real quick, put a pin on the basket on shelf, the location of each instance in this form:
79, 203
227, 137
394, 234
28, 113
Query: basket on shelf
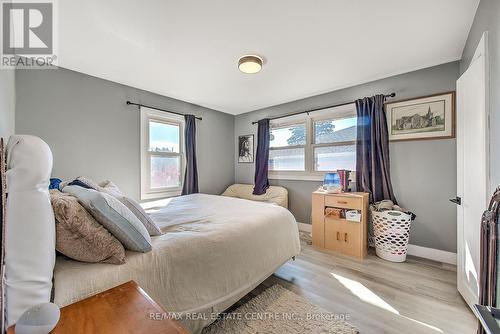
391, 230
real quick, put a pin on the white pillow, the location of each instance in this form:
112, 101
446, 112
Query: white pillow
30, 226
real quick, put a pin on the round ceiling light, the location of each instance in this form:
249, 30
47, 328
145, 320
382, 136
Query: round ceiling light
250, 64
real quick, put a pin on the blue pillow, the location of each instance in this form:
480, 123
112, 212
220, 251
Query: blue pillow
54, 183
114, 216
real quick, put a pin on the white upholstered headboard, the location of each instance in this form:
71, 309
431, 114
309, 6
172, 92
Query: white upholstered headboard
30, 226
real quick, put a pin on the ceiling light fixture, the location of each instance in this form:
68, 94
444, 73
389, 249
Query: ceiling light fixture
250, 64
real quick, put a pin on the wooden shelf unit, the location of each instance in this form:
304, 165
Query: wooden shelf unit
339, 234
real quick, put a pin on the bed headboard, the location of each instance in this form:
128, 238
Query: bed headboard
29, 226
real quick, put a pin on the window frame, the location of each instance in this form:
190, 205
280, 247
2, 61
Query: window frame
148, 115
316, 145
283, 125
310, 173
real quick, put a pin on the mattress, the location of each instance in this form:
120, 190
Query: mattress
214, 250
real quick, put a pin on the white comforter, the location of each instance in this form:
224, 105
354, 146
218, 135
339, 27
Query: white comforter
215, 250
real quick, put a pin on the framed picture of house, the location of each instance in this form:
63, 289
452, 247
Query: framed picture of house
427, 117
245, 148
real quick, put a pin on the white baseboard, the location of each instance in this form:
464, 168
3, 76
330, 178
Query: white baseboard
433, 254
426, 253
305, 227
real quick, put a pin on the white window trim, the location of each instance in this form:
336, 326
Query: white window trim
148, 114
309, 174
285, 125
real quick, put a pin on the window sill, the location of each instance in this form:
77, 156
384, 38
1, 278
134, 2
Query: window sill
296, 176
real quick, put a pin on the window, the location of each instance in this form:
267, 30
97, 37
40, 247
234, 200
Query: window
305, 147
287, 148
335, 144
162, 156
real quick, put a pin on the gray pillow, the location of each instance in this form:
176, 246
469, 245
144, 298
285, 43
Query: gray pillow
139, 212
79, 236
88, 183
110, 188
114, 216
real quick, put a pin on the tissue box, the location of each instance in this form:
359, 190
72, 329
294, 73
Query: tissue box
353, 215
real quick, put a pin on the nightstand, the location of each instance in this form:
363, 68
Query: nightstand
340, 234
122, 309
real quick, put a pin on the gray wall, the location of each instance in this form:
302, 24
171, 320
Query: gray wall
488, 19
92, 132
423, 172
7, 103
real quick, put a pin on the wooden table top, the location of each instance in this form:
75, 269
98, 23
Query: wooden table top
122, 309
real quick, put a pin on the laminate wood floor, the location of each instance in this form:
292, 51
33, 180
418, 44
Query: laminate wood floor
418, 296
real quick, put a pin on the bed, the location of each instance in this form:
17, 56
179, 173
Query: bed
214, 250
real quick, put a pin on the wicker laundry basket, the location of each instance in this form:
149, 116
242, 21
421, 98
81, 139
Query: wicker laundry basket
391, 231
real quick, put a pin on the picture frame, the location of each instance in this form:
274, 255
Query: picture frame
246, 149
426, 117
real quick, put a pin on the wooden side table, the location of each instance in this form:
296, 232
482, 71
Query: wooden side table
122, 309
339, 234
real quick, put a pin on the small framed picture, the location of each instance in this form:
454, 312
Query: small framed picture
427, 117
245, 148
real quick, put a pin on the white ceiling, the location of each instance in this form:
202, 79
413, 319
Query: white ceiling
189, 49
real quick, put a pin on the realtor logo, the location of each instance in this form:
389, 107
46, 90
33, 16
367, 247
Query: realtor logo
28, 30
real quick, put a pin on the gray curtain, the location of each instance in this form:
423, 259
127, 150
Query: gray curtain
190, 185
372, 149
262, 158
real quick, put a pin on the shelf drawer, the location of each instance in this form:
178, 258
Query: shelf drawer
345, 202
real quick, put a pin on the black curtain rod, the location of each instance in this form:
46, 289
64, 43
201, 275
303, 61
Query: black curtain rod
317, 109
165, 110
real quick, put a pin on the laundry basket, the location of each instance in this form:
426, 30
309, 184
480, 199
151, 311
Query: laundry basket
392, 232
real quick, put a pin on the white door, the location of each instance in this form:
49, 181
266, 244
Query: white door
472, 170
